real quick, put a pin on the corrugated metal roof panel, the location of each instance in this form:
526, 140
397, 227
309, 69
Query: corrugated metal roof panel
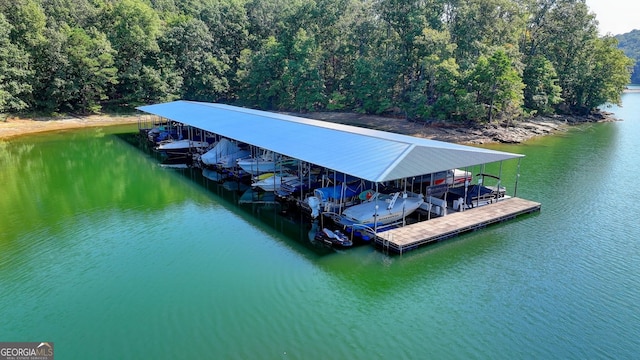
364, 153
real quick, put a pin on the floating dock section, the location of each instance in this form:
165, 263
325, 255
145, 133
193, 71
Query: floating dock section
412, 236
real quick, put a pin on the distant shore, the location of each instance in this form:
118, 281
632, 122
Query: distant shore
511, 132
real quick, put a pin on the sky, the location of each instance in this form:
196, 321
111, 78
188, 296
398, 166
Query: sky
616, 16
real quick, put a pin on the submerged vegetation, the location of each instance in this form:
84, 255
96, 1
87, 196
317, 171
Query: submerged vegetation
475, 60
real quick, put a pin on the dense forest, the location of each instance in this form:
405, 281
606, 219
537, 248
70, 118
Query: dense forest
456, 60
630, 44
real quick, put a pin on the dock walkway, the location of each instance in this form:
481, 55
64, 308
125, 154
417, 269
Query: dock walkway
421, 233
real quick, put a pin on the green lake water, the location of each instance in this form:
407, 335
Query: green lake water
110, 256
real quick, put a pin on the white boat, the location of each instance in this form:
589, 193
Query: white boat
272, 182
223, 153
231, 160
381, 209
268, 161
181, 146
265, 162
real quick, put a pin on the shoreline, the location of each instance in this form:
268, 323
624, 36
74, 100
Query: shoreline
14, 127
504, 132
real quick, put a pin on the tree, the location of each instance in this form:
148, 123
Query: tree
405, 21
228, 25
497, 85
541, 92
301, 78
28, 22
90, 69
478, 25
76, 70
607, 73
436, 76
133, 28
189, 46
359, 38
371, 90
260, 74
14, 72
564, 34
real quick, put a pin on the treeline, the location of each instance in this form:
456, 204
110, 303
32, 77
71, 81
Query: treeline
466, 60
630, 44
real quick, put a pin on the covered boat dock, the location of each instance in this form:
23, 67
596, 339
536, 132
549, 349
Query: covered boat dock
367, 154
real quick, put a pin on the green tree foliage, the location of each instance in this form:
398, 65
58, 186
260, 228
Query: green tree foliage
189, 46
89, 70
497, 85
606, 75
133, 28
541, 91
630, 44
14, 71
371, 93
75, 71
303, 85
260, 74
478, 25
454, 60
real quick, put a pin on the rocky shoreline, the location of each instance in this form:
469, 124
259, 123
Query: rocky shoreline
505, 132
511, 132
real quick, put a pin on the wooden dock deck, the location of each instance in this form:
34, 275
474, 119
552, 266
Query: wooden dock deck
411, 236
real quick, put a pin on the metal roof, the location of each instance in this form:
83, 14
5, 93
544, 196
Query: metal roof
364, 153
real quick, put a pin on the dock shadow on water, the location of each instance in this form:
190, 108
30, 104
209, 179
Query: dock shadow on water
258, 208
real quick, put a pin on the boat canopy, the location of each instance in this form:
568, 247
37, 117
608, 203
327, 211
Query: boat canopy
368, 154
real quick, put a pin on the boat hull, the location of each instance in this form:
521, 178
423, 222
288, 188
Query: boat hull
181, 146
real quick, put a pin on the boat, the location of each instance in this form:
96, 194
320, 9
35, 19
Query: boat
181, 146
381, 209
334, 198
161, 133
333, 237
231, 160
474, 196
298, 186
272, 182
262, 163
224, 154
449, 177
267, 161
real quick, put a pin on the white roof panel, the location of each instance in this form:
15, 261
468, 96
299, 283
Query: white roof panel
364, 153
